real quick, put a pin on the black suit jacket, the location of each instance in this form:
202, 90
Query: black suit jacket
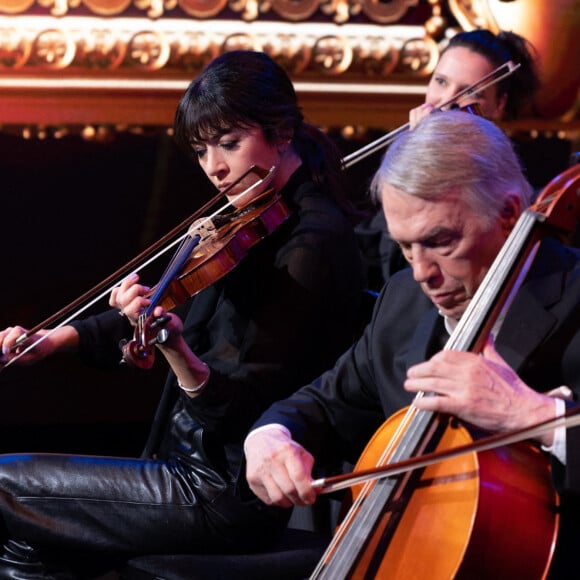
539, 338
335, 416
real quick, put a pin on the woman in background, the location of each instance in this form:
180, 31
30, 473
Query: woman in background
467, 58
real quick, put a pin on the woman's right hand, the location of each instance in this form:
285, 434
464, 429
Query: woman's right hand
419, 113
46, 342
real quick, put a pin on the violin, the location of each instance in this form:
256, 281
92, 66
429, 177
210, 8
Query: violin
487, 514
490, 79
202, 273
207, 254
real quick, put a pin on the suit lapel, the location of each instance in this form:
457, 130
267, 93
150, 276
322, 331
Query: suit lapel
526, 324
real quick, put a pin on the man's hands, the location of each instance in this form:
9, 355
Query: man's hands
480, 389
278, 469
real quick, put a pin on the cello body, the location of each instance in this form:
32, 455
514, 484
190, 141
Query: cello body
488, 515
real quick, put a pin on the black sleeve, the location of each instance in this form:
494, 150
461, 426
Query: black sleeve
285, 314
99, 338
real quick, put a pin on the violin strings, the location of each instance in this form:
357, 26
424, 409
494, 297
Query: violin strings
95, 299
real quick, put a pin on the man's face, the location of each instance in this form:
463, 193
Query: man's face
448, 246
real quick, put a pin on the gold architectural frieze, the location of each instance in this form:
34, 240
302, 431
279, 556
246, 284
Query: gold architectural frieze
473, 14
353, 62
180, 48
292, 10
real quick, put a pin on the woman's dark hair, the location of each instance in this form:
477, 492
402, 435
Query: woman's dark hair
241, 89
520, 86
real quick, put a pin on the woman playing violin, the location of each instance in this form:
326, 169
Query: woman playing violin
271, 324
468, 57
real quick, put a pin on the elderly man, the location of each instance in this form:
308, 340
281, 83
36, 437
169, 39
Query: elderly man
452, 191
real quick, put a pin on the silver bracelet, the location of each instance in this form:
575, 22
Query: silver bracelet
195, 389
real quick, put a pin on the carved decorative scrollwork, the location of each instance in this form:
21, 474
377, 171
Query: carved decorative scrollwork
473, 14
106, 7
53, 49
15, 48
378, 11
174, 48
377, 57
148, 50
202, 8
295, 9
332, 55
101, 50
386, 12
110, 48
15, 6
193, 51
419, 54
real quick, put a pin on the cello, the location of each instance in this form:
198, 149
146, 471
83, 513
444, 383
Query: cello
487, 515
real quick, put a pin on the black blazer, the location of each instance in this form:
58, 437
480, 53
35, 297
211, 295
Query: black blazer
539, 338
335, 416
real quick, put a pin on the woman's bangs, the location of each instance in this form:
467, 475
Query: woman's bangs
211, 121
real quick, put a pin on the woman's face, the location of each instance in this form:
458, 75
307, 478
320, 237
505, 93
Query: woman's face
226, 158
459, 68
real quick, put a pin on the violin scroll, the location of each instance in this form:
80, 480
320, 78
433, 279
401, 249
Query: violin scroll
559, 202
139, 352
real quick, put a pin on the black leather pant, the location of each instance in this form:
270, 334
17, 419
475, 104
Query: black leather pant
68, 516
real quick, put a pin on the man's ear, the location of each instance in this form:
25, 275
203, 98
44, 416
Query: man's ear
510, 212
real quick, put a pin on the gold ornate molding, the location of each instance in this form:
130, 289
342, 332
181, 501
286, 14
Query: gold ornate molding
292, 10
133, 70
168, 48
125, 63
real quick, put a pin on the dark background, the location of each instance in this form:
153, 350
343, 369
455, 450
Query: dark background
74, 212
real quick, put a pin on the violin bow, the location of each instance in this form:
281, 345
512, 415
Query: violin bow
135, 265
490, 79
